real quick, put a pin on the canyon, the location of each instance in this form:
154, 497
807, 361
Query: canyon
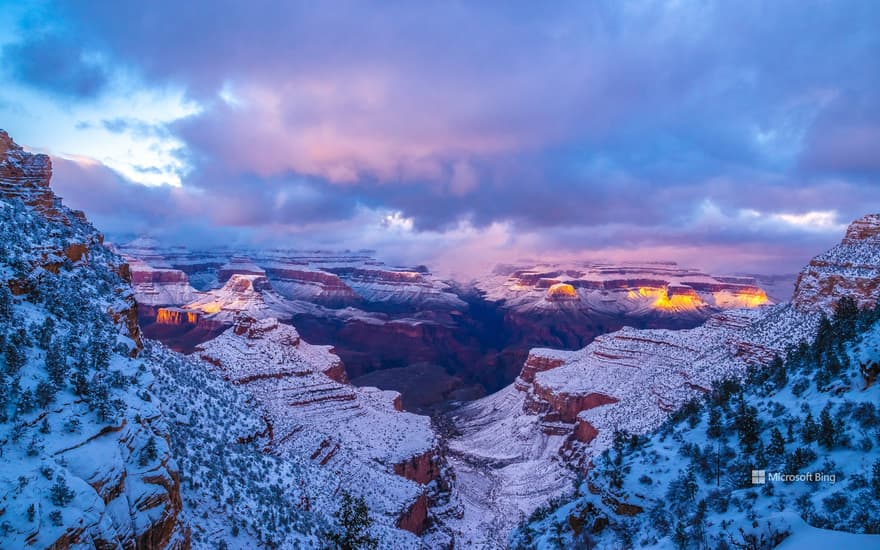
532, 369
474, 336
565, 406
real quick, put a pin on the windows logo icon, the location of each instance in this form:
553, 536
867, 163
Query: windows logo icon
759, 477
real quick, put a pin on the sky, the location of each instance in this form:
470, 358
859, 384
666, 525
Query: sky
730, 136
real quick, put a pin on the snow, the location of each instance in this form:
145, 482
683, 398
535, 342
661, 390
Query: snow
354, 432
807, 537
650, 373
650, 469
40, 445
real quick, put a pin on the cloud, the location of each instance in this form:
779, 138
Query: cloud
55, 64
845, 138
579, 127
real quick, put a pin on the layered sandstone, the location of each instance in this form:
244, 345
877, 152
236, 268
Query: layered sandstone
312, 412
849, 269
629, 290
565, 406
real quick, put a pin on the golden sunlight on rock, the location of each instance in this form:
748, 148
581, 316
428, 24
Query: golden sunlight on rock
749, 298
176, 316
561, 292
663, 299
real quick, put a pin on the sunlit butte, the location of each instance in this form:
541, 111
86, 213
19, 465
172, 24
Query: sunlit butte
747, 298
663, 300
562, 291
688, 300
177, 316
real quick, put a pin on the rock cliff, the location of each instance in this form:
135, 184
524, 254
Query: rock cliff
84, 455
848, 269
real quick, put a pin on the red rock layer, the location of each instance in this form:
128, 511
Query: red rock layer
422, 468
415, 518
177, 316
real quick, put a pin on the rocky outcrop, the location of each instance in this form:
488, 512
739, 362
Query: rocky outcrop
584, 431
320, 287
79, 471
863, 231
177, 316
540, 360
567, 305
423, 468
26, 176
359, 433
415, 516
849, 269
239, 265
567, 406
560, 292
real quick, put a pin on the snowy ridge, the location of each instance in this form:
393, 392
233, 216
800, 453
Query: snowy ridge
357, 433
156, 286
249, 294
851, 268
565, 407
232, 490
84, 459
789, 456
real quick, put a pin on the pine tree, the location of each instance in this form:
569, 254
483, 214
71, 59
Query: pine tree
826, 433
680, 537
824, 337
354, 521
45, 393
4, 397
6, 302
778, 374
698, 521
760, 456
846, 314
26, 402
558, 534
46, 333
714, 430
56, 365
776, 448
80, 383
60, 494
809, 430
15, 358
834, 366
150, 452
875, 479
746, 423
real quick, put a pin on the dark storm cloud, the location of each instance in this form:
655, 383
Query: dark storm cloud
55, 64
594, 122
